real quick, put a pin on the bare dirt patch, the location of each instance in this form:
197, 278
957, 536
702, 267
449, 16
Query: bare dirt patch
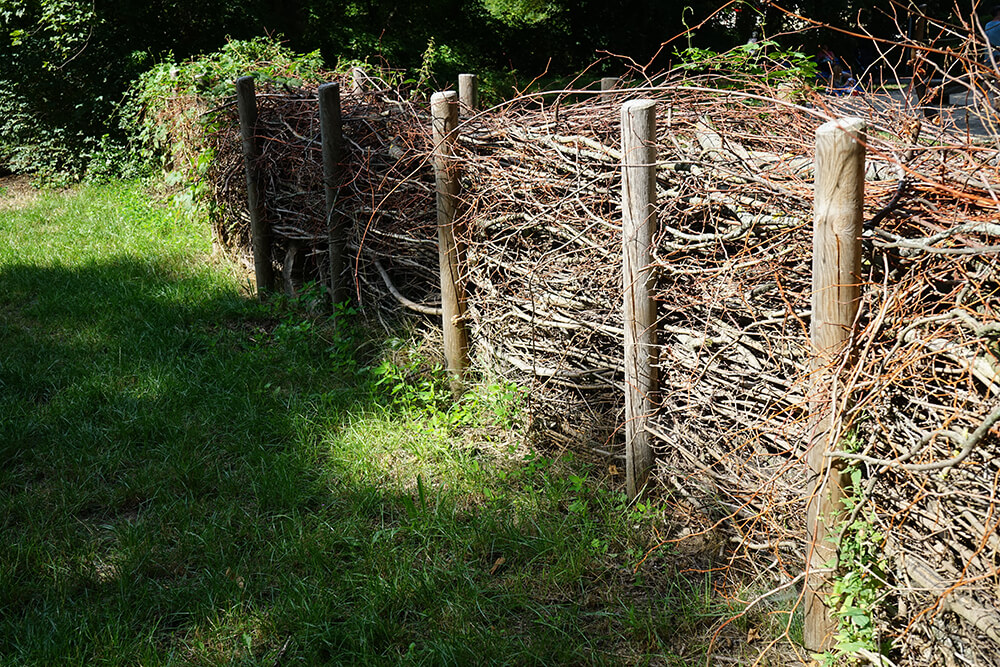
16, 192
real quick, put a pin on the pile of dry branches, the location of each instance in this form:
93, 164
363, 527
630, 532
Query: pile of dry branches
733, 260
541, 229
387, 190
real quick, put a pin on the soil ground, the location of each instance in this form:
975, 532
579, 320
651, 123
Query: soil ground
16, 192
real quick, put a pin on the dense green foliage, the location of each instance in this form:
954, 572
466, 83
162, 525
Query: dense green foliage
65, 64
162, 112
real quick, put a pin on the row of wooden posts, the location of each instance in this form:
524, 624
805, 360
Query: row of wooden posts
839, 194
835, 300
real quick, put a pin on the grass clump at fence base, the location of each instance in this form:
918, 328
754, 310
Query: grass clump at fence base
192, 477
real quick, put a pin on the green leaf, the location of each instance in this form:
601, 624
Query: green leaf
853, 646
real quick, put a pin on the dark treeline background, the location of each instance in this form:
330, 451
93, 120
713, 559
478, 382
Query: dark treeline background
65, 64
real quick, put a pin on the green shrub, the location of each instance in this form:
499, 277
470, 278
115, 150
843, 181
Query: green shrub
164, 110
61, 70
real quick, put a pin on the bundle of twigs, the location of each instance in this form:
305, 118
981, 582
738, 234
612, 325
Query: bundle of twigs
541, 229
387, 189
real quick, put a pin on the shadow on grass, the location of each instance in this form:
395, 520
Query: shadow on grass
180, 484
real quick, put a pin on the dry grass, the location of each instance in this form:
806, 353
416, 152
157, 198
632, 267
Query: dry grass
17, 192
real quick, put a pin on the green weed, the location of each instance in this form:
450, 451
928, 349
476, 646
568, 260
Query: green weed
860, 587
758, 61
413, 381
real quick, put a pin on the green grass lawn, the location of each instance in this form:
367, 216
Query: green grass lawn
190, 477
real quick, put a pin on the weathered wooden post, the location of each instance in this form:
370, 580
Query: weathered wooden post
608, 84
246, 102
836, 297
444, 112
468, 91
358, 78
332, 141
638, 228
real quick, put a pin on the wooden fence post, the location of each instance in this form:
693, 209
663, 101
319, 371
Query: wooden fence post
332, 140
358, 78
608, 85
444, 112
246, 103
638, 228
836, 297
468, 91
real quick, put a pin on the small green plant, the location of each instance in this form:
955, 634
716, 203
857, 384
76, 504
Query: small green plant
498, 403
437, 59
860, 587
411, 380
763, 61
345, 334
425, 69
301, 321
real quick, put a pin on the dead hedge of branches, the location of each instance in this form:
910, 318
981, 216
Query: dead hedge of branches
540, 225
